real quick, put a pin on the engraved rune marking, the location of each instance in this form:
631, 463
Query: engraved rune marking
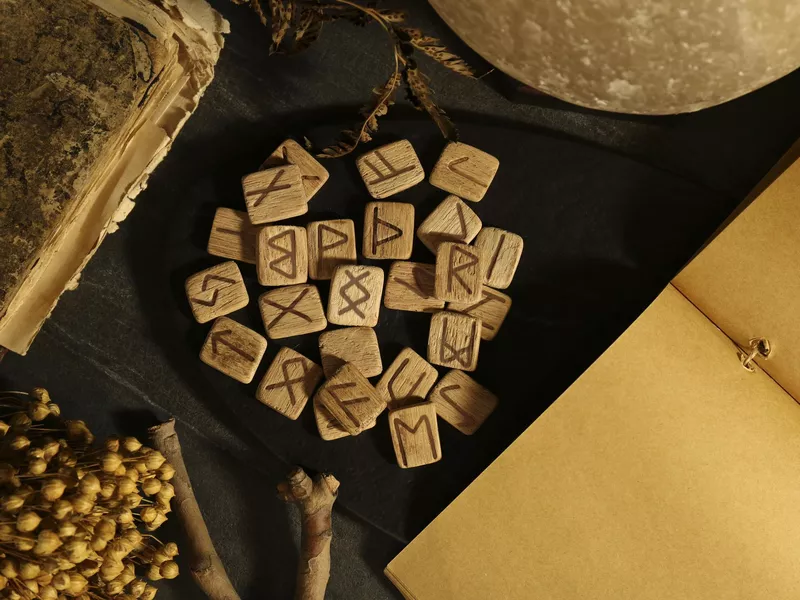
399, 425
443, 236
462, 355
423, 279
342, 238
208, 278
343, 403
285, 310
285, 152
410, 393
493, 264
468, 420
453, 270
453, 165
289, 253
377, 221
218, 337
229, 231
272, 187
289, 382
392, 172
487, 297
354, 303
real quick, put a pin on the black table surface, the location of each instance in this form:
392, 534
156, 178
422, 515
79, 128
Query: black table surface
610, 208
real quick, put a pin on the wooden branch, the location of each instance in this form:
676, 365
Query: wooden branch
205, 564
315, 500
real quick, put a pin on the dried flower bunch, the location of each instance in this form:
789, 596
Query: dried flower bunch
70, 510
296, 24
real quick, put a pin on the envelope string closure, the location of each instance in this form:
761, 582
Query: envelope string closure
758, 347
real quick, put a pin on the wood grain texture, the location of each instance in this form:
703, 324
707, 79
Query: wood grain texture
274, 194
282, 255
454, 340
330, 243
390, 169
500, 252
312, 173
351, 399
289, 383
327, 425
451, 221
233, 349
491, 309
407, 380
355, 295
216, 292
411, 286
233, 236
292, 310
464, 171
459, 273
388, 230
462, 401
355, 345
415, 435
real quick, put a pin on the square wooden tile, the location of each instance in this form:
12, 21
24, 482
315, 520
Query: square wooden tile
407, 380
464, 171
330, 244
274, 194
491, 309
459, 273
411, 286
451, 221
351, 399
292, 310
462, 401
282, 255
355, 296
500, 251
355, 345
388, 230
290, 381
216, 292
415, 435
233, 236
454, 340
233, 349
329, 428
312, 173
390, 169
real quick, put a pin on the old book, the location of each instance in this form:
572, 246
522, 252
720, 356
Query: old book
93, 94
668, 470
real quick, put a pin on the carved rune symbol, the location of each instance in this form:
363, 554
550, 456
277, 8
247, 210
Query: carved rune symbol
496, 255
272, 187
443, 236
285, 152
467, 419
377, 222
453, 165
448, 352
399, 425
288, 381
486, 299
354, 303
341, 238
208, 278
285, 310
218, 337
289, 253
390, 386
392, 172
423, 280
344, 403
454, 270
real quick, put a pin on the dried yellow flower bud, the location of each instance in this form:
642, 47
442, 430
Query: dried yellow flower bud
61, 509
149, 593
34, 452
13, 595
136, 589
44, 578
106, 529
67, 529
166, 472
29, 570
132, 474
160, 557
50, 449
77, 551
148, 514
170, 549
118, 549
133, 537
124, 516
32, 585
108, 488
128, 574
98, 544
154, 573
13, 503
154, 460
131, 444
28, 521
111, 569
89, 568
7, 532
48, 592
166, 493
50, 565
141, 466
20, 443
126, 485
115, 588
47, 542
37, 466
4, 582
38, 411
7, 472
78, 431
110, 461
160, 519
24, 542
53, 489
89, 485
151, 486
9, 567
40, 395
112, 444
4, 427
169, 570
61, 581
132, 501
77, 584
121, 470
55, 409
82, 505
20, 421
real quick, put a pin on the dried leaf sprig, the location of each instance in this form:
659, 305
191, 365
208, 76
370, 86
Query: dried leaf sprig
296, 24
76, 518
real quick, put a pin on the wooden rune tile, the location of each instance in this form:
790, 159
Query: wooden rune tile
459, 273
491, 309
500, 252
312, 173
355, 296
451, 221
216, 292
290, 381
355, 345
388, 230
415, 435
329, 428
411, 286
454, 340
462, 401
233, 349
351, 399
292, 310
282, 255
233, 236
274, 194
407, 380
330, 243
390, 169
464, 171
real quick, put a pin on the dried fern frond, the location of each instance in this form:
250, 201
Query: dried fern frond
392, 16
308, 29
420, 95
282, 15
434, 48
